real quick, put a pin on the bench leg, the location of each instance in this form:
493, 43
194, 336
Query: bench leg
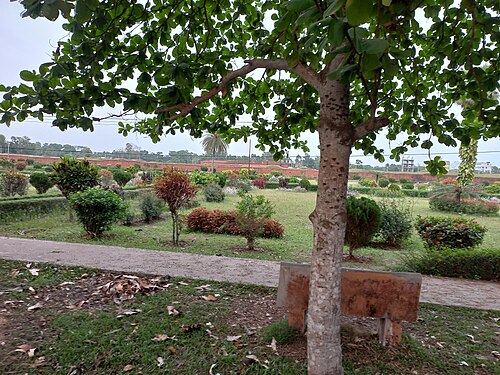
384, 330
396, 334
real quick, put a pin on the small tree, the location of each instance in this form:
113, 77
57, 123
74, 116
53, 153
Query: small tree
251, 211
41, 182
363, 221
97, 209
122, 177
175, 188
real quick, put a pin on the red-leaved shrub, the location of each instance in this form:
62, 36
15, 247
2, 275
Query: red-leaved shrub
225, 222
260, 182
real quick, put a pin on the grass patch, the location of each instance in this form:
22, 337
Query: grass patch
217, 335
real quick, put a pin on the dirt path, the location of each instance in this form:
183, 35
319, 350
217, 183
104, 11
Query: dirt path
443, 291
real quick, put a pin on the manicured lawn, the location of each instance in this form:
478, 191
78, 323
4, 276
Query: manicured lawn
292, 209
78, 328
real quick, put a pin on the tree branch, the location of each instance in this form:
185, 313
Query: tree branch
369, 126
303, 71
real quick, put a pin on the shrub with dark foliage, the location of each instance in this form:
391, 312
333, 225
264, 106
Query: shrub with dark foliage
363, 221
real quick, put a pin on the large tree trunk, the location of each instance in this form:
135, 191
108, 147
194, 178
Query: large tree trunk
329, 221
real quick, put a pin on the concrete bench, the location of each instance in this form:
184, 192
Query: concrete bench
389, 296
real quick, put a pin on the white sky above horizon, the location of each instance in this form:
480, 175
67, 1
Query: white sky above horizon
26, 43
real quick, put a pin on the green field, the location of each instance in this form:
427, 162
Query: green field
292, 210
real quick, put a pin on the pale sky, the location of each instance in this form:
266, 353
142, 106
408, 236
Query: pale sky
26, 43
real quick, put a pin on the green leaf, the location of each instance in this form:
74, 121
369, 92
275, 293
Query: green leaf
293, 59
374, 46
369, 63
359, 12
26, 75
334, 7
342, 71
386, 2
336, 32
299, 5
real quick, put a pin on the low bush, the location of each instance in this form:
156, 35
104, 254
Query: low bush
213, 193
464, 206
12, 183
41, 182
20, 165
481, 264
394, 187
242, 185
366, 182
272, 185
121, 176
449, 232
305, 184
383, 183
225, 222
203, 178
363, 221
204, 168
493, 189
260, 182
97, 209
407, 186
151, 207
396, 223
283, 182
280, 331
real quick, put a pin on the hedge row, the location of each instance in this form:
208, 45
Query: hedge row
385, 192
23, 208
37, 205
291, 185
479, 264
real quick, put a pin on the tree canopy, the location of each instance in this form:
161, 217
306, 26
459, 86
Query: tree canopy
341, 68
158, 57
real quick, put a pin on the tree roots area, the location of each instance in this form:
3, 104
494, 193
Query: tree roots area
56, 320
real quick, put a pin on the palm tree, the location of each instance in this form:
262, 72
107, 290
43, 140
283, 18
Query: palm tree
213, 144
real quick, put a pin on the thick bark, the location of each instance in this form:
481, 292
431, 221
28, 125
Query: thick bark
329, 221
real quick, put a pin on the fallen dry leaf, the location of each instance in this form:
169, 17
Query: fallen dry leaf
38, 362
36, 306
160, 337
128, 368
233, 338
172, 311
160, 361
210, 372
128, 313
34, 271
210, 298
172, 349
23, 348
495, 353
273, 346
31, 352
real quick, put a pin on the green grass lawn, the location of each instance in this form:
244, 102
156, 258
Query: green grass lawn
292, 210
79, 329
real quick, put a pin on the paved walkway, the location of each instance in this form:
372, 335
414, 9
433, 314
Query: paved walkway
443, 291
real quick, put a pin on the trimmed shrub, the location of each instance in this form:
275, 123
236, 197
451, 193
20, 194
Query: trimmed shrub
465, 206
407, 186
260, 182
121, 176
403, 180
204, 168
97, 209
394, 188
213, 193
203, 178
355, 176
12, 183
305, 184
225, 222
396, 222
38, 166
480, 264
383, 183
272, 185
41, 182
449, 232
243, 186
20, 165
151, 207
367, 183
363, 221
